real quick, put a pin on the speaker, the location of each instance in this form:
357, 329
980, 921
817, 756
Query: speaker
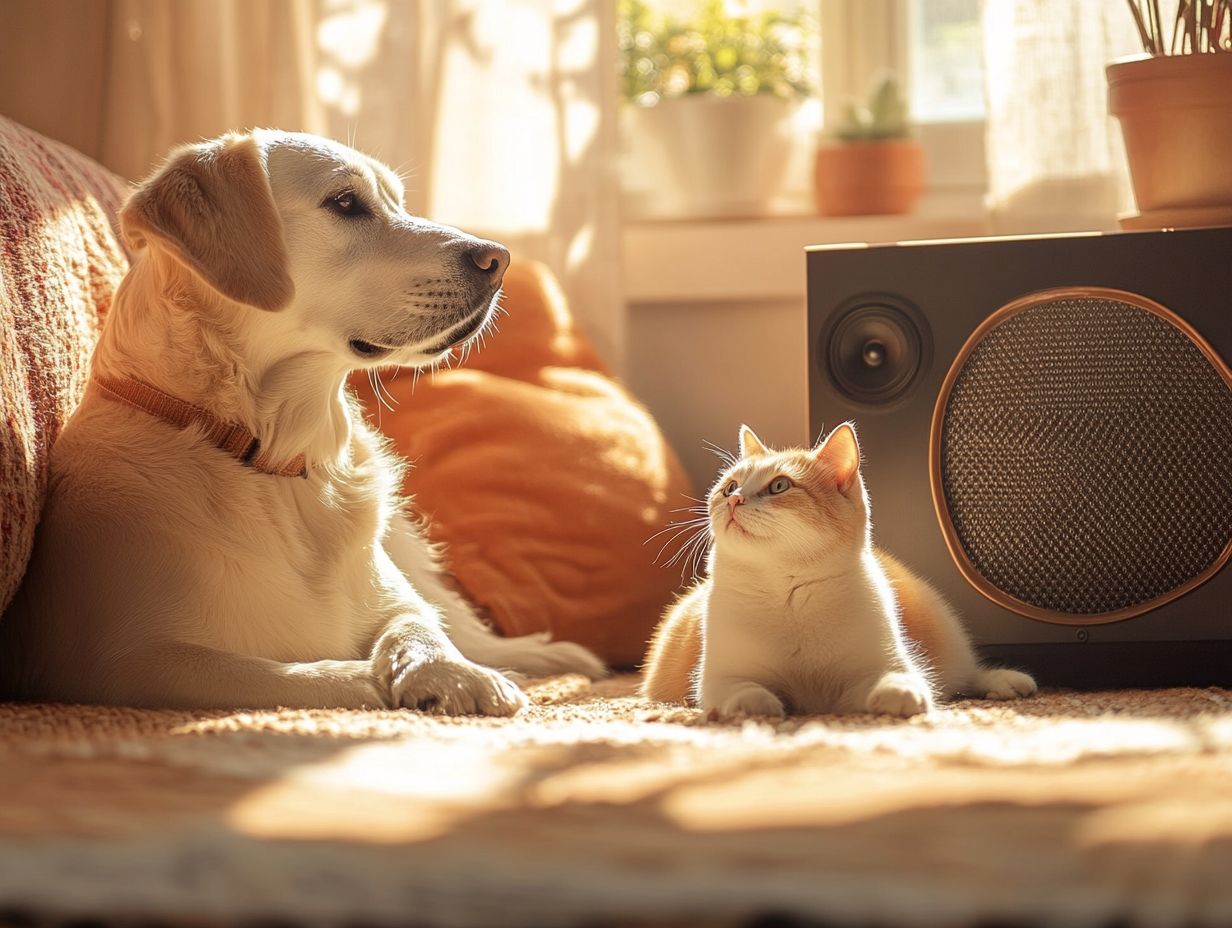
1047, 433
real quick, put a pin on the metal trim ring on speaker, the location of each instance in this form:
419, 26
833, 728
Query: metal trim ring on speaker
1044, 301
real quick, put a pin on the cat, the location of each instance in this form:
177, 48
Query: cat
800, 612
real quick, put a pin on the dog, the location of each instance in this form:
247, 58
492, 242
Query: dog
222, 529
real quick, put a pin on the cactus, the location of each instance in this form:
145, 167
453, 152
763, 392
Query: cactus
883, 117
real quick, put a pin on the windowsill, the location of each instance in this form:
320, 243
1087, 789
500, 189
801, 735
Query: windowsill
762, 259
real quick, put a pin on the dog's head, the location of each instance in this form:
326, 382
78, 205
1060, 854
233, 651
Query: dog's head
316, 234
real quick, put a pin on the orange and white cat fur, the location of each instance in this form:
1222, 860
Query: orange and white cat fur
800, 613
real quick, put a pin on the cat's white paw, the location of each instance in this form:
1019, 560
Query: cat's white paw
1001, 683
456, 687
752, 699
900, 694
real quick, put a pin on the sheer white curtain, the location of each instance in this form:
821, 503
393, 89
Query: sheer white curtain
1055, 159
499, 112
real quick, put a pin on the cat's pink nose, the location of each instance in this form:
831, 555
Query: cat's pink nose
735, 500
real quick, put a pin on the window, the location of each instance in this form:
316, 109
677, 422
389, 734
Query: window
933, 47
946, 61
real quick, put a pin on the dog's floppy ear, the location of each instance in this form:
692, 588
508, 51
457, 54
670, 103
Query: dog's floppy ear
210, 206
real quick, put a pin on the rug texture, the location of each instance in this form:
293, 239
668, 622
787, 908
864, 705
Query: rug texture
597, 807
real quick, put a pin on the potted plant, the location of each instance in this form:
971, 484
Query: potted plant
711, 102
873, 166
1174, 104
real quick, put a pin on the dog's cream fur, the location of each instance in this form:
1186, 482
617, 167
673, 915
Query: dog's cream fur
167, 573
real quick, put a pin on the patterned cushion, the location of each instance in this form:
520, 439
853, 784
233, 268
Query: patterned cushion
60, 262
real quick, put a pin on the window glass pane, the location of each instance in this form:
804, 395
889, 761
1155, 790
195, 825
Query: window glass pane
947, 68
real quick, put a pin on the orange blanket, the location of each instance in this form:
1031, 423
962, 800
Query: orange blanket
543, 476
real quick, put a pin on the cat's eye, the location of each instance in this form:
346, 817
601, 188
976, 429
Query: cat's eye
730, 488
780, 485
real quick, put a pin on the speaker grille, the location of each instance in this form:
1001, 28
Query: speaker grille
1085, 455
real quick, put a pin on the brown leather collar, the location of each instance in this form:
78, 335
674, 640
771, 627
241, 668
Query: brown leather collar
230, 437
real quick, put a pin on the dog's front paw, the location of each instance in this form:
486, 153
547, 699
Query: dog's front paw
901, 694
452, 686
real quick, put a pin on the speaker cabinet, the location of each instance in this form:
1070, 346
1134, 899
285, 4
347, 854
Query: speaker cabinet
1047, 433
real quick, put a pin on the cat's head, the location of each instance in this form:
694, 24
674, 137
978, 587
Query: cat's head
796, 504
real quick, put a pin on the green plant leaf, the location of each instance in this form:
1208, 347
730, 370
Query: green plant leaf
711, 52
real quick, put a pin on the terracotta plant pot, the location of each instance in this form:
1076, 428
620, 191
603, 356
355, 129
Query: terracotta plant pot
1176, 118
868, 178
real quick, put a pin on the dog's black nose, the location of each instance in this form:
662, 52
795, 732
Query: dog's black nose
490, 259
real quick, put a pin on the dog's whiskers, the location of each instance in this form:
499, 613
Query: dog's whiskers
373, 382
386, 398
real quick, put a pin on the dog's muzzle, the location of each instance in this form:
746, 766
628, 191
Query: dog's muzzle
469, 328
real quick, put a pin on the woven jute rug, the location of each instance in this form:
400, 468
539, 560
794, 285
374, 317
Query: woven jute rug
595, 807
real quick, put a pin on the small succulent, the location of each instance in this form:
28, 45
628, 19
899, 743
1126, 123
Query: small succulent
883, 117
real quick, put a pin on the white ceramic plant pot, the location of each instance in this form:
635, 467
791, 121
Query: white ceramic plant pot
707, 156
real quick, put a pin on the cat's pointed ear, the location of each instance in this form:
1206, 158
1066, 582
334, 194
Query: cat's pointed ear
841, 452
750, 444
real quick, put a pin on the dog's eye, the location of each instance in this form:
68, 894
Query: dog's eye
346, 204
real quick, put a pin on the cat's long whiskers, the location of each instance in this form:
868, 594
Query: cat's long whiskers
700, 545
676, 557
699, 534
698, 556
683, 532
699, 510
728, 459
676, 523
675, 527
685, 549
688, 534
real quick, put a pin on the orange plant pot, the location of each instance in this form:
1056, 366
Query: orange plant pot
868, 178
1176, 118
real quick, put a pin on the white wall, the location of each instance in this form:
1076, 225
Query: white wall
716, 324
705, 368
